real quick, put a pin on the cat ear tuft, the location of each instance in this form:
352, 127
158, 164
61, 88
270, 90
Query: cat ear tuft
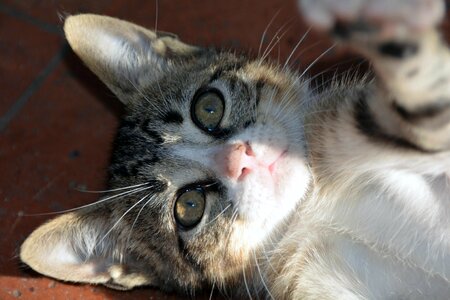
72, 248
123, 55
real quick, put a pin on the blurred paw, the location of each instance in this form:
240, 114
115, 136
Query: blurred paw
376, 20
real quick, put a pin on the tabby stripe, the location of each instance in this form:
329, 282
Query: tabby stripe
233, 82
129, 145
259, 85
136, 166
151, 133
345, 30
238, 86
235, 66
398, 50
367, 125
188, 257
433, 116
162, 255
172, 117
120, 171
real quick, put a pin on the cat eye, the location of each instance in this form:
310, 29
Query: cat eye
189, 207
207, 109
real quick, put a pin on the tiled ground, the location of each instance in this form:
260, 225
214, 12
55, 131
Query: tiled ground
57, 121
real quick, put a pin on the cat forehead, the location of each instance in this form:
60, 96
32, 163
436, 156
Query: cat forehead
217, 67
265, 73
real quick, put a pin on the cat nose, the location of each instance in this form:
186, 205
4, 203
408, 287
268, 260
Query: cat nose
235, 161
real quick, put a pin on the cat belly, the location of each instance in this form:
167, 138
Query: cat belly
390, 240
338, 267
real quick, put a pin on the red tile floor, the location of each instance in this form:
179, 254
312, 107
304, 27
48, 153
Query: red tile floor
57, 121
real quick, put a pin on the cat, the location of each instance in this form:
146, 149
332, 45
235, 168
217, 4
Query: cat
230, 172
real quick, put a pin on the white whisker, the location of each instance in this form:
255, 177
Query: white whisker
317, 59
137, 216
246, 284
296, 46
212, 290
120, 219
277, 38
111, 190
265, 31
156, 15
261, 276
91, 204
218, 215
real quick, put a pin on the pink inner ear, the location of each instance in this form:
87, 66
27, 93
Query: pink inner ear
59, 261
61, 254
63, 263
50, 250
92, 268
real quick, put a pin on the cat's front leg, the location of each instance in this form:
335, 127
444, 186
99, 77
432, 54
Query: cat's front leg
380, 150
411, 104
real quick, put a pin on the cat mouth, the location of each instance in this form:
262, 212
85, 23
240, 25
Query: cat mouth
273, 166
264, 167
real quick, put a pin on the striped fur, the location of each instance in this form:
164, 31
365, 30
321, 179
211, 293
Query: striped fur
361, 208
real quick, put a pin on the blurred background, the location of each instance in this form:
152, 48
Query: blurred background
57, 121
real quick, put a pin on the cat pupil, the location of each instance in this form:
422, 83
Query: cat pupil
210, 110
189, 207
207, 109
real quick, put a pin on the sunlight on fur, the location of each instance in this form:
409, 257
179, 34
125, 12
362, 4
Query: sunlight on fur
236, 174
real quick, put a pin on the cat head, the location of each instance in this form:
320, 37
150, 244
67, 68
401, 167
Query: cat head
207, 167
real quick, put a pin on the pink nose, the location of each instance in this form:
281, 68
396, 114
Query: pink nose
236, 161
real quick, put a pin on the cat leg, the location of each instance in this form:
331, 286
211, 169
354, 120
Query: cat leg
380, 150
408, 108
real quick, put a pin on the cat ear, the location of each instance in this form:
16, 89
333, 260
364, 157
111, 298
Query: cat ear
74, 248
123, 55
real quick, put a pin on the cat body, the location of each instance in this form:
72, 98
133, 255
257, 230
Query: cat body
230, 172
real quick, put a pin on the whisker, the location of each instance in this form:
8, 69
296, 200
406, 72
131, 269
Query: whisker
120, 219
214, 183
266, 257
246, 284
296, 46
317, 59
307, 48
276, 39
261, 276
140, 93
137, 217
212, 290
265, 31
221, 213
156, 15
112, 190
151, 103
334, 66
233, 218
91, 204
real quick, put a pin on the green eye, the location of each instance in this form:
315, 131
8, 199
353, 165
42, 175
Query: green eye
189, 207
207, 109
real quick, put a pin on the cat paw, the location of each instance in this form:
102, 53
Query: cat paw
378, 20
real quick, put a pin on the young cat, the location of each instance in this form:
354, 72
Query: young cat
229, 172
